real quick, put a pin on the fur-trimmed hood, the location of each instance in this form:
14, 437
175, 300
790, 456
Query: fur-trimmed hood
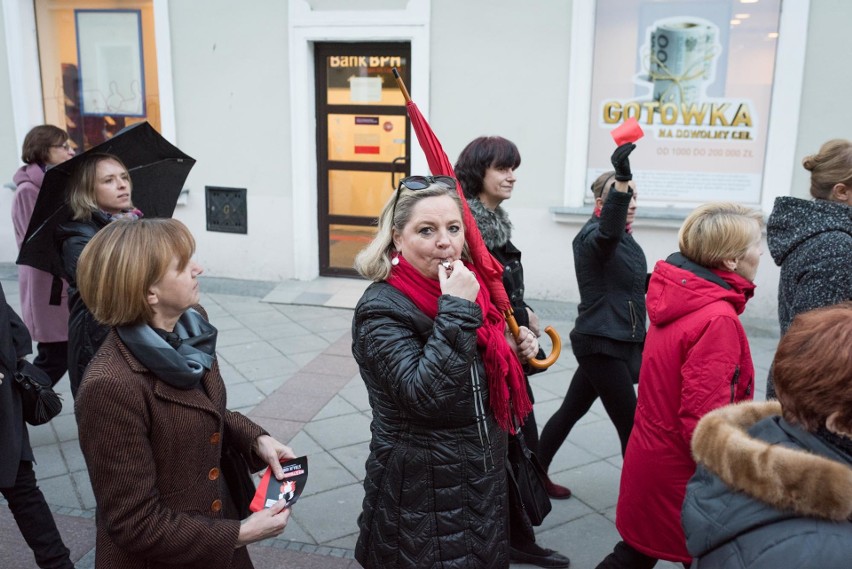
786, 478
766, 494
495, 227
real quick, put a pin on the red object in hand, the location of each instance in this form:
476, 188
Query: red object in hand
628, 131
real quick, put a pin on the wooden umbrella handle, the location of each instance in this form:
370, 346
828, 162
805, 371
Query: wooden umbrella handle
555, 351
401, 85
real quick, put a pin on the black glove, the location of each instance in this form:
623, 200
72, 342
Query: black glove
621, 162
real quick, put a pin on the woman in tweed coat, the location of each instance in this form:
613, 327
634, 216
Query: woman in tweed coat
811, 240
151, 413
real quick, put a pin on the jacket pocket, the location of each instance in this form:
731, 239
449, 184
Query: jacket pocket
634, 319
734, 381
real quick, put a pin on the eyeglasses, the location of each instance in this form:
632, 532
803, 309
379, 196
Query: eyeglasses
415, 183
66, 146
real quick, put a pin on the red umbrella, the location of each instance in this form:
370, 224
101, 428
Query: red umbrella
489, 268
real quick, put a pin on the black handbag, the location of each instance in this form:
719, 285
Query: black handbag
40, 402
235, 470
526, 478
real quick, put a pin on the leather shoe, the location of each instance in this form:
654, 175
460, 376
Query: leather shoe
556, 491
547, 558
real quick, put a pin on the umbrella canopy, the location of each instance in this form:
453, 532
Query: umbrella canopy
158, 170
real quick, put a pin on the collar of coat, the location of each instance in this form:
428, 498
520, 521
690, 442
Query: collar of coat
783, 477
495, 227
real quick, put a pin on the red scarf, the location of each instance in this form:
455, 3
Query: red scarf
502, 367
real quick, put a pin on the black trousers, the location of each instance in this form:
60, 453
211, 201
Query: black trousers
521, 532
597, 375
52, 359
35, 520
625, 557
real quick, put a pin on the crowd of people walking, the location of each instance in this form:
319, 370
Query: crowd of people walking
709, 478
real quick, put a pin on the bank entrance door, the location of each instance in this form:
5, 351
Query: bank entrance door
362, 144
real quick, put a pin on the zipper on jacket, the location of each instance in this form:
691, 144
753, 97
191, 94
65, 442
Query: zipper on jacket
481, 420
734, 381
633, 319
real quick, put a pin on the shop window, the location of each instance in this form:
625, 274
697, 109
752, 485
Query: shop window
98, 63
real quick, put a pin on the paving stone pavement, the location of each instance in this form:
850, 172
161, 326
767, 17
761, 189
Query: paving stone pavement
284, 350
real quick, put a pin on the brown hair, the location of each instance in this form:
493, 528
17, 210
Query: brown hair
38, 142
81, 195
812, 385
121, 263
831, 165
481, 154
600, 184
718, 231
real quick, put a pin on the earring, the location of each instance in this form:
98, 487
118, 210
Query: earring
395, 259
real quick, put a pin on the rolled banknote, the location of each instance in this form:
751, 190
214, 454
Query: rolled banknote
680, 60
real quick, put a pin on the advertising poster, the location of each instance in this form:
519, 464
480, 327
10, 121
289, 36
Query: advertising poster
109, 44
697, 75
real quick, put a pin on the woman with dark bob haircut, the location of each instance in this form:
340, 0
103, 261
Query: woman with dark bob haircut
151, 412
774, 482
486, 170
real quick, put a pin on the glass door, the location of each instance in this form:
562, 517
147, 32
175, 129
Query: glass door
362, 144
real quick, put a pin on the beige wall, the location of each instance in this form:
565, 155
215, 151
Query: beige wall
231, 89
826, 112
497, 67
500, 67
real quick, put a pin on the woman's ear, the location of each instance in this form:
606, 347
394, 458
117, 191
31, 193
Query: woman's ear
730, 264
841, 193
396, 238
152, 297
832, 423
599, 203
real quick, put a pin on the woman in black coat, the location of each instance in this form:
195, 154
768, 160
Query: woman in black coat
443, 382
17, 479
99, 192
609, 332
486, 171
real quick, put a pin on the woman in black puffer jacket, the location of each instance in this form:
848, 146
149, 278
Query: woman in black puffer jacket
442, 381
99, 192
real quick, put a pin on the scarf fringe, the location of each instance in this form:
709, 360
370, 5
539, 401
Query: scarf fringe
503, 370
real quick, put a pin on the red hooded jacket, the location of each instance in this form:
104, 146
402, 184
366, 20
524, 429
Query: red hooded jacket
696, 358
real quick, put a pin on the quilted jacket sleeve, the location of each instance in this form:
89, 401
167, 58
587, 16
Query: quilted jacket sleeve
604, 239
422, 377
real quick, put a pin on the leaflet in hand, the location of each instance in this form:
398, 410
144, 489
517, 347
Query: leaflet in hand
270, 489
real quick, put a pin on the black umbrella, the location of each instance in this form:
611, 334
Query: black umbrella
158, 170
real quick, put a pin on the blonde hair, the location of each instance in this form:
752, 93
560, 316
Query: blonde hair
832, 165
373, 262
123, 261
718, 231
82, 194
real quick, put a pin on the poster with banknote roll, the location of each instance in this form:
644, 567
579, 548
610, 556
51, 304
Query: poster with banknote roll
697, 75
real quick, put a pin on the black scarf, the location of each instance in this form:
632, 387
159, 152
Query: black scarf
839, 442
181, 361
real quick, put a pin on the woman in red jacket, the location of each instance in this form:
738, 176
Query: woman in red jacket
696, 359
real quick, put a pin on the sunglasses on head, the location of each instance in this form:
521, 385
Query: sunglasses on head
415, 183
